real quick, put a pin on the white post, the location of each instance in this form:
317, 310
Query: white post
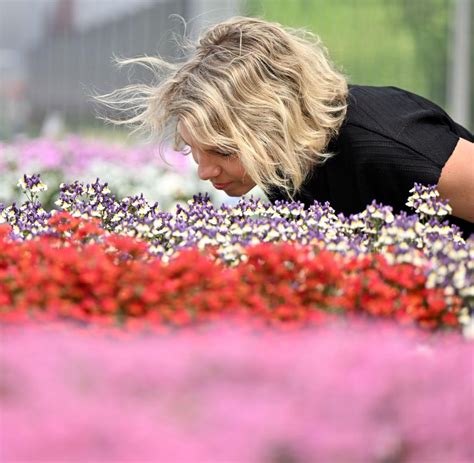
459, 80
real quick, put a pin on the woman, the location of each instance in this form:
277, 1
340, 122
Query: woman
260, 104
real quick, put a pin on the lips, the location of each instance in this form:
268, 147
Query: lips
221, 186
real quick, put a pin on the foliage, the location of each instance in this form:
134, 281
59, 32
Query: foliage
376, 42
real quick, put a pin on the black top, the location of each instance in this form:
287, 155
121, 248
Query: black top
389, 140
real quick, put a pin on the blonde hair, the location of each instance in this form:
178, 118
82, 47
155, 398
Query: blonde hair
267, 93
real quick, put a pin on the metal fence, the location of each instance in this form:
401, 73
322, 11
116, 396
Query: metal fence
64, 69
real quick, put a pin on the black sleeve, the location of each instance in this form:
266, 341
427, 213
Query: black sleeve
408, 120
429, 130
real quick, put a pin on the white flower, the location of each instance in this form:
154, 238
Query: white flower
468, 329
39, 187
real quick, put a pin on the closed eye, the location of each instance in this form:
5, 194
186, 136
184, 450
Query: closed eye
225, 155
220, 152
188, 150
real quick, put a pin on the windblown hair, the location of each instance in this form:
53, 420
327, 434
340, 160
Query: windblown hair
252, 88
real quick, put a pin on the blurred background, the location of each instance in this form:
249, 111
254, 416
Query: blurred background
53, 53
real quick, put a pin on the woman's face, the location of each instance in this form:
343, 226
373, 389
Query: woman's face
225, 172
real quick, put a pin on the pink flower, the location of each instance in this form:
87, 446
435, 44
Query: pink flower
219, 394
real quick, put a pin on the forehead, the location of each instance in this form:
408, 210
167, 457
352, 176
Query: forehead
193, 139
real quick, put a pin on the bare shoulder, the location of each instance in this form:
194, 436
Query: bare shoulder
456, 182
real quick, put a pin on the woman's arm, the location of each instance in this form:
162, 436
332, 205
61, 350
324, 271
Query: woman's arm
456, 182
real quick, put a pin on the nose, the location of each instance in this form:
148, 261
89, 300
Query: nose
207, 168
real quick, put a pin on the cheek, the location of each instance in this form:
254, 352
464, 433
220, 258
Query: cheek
235, 170
241, 170
234, 166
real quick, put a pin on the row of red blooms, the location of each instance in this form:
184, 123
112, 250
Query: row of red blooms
81, 274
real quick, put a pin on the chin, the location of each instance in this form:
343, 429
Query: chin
233, 194
239, 192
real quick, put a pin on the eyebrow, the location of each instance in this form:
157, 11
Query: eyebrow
186, 143
216, 149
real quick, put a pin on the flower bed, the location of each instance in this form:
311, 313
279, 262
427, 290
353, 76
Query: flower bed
114, 281
126, 262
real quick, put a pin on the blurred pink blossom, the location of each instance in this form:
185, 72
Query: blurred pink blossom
74, 155
331, 395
